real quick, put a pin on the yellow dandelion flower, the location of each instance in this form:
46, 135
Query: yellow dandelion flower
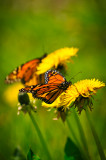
84, 88
69, 96
88, 87
78, 93
55, 58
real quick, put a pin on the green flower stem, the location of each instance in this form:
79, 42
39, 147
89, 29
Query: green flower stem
96, 138
40, 136
76, 140
82, 135
72, 132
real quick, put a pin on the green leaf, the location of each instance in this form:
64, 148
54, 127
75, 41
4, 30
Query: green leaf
32, 156
71, 151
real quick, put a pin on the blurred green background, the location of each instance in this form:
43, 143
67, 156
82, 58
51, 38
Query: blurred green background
30, 28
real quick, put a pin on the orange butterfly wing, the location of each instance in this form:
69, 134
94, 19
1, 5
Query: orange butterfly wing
25, 73
55, 85
48, 93
53, 76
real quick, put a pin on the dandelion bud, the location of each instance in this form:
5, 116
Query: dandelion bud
23, 98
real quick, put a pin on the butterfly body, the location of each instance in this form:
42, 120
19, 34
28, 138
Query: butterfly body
64, 85
54, 85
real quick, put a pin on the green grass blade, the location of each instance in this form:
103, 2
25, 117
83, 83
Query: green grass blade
40, 136
96, 138
72, 131
82, 135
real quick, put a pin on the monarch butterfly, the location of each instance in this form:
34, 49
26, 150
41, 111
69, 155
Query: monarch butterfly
54, 85
26, 73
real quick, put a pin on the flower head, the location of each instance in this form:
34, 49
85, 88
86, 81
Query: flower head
79, 94
25, 104
10, 96
56, 58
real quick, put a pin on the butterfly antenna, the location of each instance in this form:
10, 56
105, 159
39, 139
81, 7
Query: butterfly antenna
75, 75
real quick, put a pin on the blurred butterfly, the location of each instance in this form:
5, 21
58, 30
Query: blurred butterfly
26, 73
54, 85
